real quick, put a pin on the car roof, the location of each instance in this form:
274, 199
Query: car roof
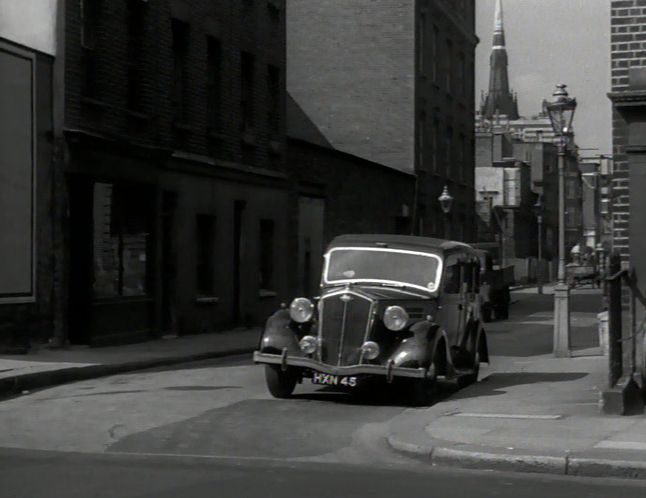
441, 247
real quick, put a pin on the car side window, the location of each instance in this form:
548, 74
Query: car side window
452, 278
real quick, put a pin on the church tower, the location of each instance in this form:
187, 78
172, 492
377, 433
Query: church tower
499, 100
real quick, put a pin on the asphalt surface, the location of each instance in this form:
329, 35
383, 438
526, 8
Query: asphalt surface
217, 408
37, 474
209, 428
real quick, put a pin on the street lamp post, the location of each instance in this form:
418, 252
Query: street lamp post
561, 112
446, 201
538, 211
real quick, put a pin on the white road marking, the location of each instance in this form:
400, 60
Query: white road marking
508, 415
621, 445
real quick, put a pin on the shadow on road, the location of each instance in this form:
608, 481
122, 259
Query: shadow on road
495, 384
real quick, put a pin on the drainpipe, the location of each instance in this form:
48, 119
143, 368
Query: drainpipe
59, 224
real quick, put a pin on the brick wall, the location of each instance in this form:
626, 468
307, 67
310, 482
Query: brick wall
628, 49
352, 70
373, 76
240, 26
360, 196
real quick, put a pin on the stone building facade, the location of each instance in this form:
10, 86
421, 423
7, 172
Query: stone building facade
392, 82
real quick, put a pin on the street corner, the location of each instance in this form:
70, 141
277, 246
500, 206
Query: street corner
414, 441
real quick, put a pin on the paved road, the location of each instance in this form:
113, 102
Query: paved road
216, 408
211, 429
42, 475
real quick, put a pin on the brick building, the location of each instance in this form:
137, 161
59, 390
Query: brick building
392, 82
175, 162
627, 38
628, 95
27, 57
334, 193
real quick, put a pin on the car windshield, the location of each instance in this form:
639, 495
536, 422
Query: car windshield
387, 266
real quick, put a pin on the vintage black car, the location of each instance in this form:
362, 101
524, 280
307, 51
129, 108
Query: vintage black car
397, 307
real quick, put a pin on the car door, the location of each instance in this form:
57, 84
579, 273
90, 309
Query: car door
452, 298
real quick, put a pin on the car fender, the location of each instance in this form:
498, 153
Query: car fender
278, 334
416, 351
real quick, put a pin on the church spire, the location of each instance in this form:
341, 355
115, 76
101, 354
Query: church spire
499, 99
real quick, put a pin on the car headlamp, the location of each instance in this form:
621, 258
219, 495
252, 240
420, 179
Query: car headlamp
370, 350
301, 310
308, 344
395, 318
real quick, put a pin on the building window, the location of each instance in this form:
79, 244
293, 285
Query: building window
421, 132
266, 248
214, 82
246, 91
136, 23
461, 151
436, 140
436, 55
122, 222
448, 147
420, 43
449, 65
273, 86
90, 18
90, 15
180, 51
273, 8
462, 80
470, 88
204, 243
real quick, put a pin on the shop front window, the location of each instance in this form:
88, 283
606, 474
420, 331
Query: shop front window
121, 240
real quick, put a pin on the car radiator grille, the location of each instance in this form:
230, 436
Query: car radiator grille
342, 339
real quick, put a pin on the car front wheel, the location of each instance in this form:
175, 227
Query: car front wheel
280, 383
422, 391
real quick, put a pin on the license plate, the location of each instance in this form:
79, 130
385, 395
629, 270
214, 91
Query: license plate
324, 379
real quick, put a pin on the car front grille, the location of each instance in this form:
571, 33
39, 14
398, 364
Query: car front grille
342, 337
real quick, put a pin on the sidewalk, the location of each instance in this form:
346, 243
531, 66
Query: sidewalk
529, 414
46, 367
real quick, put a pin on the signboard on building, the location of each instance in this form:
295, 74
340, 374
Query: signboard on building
17, 174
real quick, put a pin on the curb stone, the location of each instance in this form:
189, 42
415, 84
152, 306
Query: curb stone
489, 459
593, 467
10, 386
418, 451
499, 461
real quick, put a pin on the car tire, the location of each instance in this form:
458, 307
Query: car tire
422, 391
280, 383
476, 366
472, 378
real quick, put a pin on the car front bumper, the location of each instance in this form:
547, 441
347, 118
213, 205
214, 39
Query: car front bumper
389, 371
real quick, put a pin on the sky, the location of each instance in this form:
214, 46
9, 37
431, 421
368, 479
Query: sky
550, 42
